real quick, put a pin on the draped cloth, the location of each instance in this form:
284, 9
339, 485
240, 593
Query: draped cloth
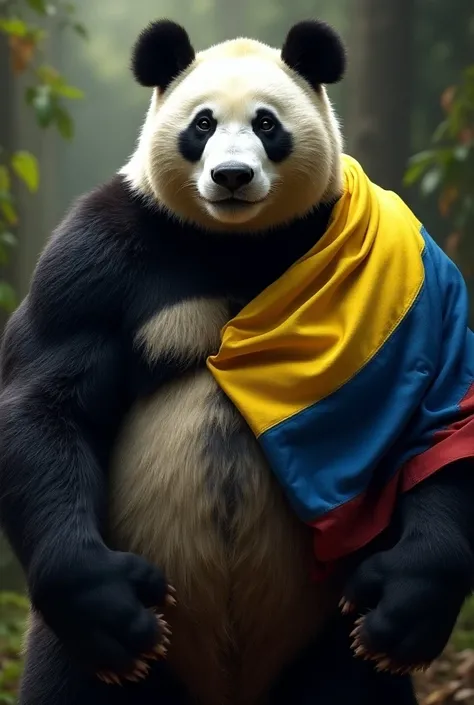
355, 369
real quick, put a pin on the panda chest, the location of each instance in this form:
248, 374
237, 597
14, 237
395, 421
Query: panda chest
186, 451
191, 492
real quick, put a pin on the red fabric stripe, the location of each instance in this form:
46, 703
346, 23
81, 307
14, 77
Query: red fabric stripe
450, 444
354, 524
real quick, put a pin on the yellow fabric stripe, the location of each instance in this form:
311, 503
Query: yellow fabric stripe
312, 330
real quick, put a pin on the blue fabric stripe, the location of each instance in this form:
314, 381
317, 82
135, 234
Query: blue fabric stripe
329, 453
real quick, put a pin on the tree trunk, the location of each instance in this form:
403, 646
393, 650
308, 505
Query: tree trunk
6, 128
380, 87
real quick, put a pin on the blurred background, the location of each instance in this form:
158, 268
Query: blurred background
70, 114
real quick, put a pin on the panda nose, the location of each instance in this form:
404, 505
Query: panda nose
232, 175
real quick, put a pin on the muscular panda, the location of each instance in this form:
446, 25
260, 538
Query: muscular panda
165, 562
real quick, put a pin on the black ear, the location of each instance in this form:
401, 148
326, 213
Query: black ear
315, 51
160, 53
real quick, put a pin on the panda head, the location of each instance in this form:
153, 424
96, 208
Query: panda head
240, 136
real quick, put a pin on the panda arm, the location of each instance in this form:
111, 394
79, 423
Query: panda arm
62, 396
62, 363
414, 591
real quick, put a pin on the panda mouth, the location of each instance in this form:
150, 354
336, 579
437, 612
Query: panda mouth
232, 203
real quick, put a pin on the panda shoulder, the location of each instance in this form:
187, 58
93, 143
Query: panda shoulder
90, 262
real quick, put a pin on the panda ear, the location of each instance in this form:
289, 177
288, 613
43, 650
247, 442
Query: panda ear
315, 51
161, 52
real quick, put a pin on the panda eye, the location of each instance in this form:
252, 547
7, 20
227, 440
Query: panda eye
266, 124
204, 124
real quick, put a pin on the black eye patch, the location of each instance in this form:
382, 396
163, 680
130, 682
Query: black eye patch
277, 142
193, 139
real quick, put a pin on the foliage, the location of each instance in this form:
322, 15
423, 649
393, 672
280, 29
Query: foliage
22, 26
447, 169
13, 612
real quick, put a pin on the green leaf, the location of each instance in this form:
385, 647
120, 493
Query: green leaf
8, 210
4, 179
461, 152
30, 94
424, 156
7, 699
414, 173
70, 92
80, 30
441, 131
8, 239
41, 98
50, 76
13, 599
25, 166
431, 181
64, 122
7, 297
38, 6
417, 166
14, 27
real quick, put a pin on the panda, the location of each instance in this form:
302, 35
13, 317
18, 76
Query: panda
164, 561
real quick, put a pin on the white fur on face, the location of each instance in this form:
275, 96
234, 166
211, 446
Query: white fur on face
233, 80
234, 141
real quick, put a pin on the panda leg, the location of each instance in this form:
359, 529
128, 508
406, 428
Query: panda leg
328, 673
50, 678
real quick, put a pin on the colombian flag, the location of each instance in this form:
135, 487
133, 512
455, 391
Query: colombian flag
355, 370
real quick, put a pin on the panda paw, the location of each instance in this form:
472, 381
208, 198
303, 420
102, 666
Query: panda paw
102, 606
141, 666
408, 599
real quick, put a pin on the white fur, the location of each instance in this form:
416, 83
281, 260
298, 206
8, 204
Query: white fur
234, 79
246, 604
187, 330
235, 141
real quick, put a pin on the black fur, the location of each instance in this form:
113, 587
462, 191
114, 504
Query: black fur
66, 683
160, 53
327, 672
277, 142
70, 371
427, 573
192, 140
315, 51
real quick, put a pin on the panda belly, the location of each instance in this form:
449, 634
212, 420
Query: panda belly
191, 492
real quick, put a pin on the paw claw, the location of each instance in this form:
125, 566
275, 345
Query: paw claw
141, 666
109, 678
150, 656
384, 664
381, 661
161, 650
139, 675
346, 606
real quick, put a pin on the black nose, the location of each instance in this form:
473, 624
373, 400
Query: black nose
232, 176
